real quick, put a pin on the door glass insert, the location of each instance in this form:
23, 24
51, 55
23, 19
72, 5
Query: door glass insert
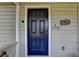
46, 26
33, 26
42, 26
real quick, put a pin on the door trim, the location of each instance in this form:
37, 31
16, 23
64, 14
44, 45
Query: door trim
17, 29
33, 6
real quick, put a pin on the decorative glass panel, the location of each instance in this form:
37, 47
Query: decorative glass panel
46, 25
33, 26
42, 26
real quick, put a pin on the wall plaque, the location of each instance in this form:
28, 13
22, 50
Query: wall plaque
65, 22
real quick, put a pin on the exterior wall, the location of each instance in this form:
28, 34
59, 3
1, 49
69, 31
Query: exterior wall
60, 35
78, 26
22, 32
8, 25
64, 35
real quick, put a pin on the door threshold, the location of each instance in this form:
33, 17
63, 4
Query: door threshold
38, 56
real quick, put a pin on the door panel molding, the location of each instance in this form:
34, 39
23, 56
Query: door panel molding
26, 15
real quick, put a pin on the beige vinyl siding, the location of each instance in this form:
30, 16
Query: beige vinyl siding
78, 25
22, 32
65, 35
8, 26
7, 22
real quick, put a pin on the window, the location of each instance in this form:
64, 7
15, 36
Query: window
33, 26
42, 26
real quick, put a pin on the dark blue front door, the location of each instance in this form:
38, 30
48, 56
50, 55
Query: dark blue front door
37, 32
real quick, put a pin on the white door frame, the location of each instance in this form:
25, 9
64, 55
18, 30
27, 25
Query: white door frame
17, 29
34, 6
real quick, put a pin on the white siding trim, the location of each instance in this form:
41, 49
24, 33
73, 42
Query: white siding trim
17, 29
42, 6
77, 25
25, 31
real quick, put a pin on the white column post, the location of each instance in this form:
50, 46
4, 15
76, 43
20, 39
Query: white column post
17, 29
